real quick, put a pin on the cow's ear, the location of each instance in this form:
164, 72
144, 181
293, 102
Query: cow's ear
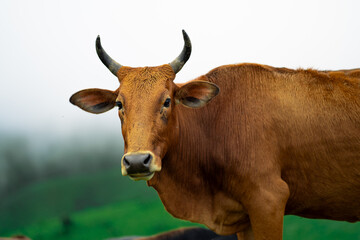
94, 100
196, 94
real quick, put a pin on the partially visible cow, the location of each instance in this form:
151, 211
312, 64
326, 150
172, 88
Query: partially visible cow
191, 233
16, 237
274, 141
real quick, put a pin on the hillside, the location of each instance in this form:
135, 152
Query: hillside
105, 204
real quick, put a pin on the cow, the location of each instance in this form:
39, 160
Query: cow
190, 233
15, 237
238, 148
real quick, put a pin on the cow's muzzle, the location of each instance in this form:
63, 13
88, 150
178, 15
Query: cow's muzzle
139, 166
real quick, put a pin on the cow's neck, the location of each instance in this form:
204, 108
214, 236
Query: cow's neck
182, 184
184, 167
188, 152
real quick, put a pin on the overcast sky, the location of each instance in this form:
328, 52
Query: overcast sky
48, 47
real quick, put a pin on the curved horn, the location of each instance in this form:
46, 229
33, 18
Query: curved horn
111, 64
180, 61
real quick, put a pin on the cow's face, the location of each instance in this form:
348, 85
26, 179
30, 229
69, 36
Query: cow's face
146, 101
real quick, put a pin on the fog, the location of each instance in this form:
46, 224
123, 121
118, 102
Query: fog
48, 49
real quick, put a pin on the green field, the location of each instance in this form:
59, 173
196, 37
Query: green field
105, 204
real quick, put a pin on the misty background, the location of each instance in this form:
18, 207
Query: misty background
48, 48
48, 53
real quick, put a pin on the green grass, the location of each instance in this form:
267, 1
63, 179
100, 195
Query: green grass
103, 205
137, 217
63, 196
309, 229
146, 217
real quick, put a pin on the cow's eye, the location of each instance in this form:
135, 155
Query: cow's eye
167, 102
119, 104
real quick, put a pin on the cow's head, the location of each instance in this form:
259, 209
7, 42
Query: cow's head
147, 99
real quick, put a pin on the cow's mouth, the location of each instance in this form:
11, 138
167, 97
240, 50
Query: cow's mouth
141, 176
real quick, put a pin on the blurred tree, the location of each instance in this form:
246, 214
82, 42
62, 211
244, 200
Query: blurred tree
18, 167
21, 163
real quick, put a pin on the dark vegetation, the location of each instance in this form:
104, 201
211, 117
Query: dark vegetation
22, 162
73, 189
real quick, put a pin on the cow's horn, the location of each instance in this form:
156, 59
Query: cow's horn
111, 64
180, 61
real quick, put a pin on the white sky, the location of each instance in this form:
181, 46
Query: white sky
48, 47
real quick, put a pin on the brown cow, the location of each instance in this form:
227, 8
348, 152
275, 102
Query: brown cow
191, 233
16, 237
275, 141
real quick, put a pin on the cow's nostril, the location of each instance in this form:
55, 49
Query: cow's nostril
126, 163
147, 160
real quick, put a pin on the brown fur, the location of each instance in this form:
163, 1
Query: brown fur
190, 233
16, 237
275, 141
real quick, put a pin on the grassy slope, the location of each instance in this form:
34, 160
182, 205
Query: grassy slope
149, 217
105, 205
125, 218
61, 197
309, 229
